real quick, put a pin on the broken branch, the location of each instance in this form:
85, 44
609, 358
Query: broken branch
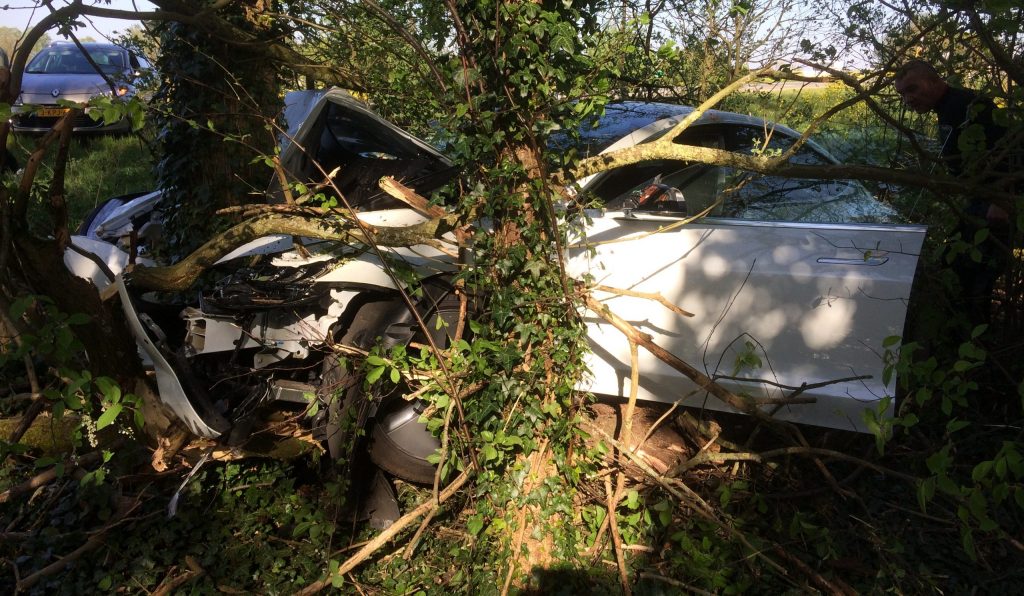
184, 273
701, 379
381, 539
408, 196
656, 296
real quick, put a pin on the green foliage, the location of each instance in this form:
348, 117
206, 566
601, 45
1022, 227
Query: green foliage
96, 403
982, 480
249, 526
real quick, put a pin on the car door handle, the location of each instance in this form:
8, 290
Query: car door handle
863, 262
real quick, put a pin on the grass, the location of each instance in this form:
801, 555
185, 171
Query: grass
99, 167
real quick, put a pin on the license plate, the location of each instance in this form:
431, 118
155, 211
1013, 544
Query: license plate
51, 112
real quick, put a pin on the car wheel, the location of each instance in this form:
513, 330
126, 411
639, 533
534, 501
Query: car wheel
341, 390
399, 443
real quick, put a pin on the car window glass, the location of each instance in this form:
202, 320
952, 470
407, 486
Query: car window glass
109, 61
775, 198
69, 60
366, 150
616, 187
743, 195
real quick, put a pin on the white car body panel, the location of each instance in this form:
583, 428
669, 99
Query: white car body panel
113, 257
119, 223
169, 387
815, 300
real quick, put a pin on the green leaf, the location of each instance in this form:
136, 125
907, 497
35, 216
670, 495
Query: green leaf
489, 452
78, 319
395, 375
981, 470
968, 543
475, 524
954, 425
109, 388
891, 341
925, 492
374, 360
632, 499
374, 374
108, 416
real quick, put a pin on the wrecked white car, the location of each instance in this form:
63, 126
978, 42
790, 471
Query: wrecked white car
791, 283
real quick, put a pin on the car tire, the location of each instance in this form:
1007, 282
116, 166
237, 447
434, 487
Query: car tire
347, 408
399, 443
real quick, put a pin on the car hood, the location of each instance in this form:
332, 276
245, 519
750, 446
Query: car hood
39, 88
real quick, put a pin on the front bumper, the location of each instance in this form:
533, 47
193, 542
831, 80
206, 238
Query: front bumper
34, 123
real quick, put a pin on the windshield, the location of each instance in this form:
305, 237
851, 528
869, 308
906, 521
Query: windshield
69, 60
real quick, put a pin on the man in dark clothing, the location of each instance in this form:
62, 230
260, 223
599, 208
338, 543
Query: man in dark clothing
968, 135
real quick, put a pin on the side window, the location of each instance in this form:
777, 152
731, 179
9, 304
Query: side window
675, 187
775, 198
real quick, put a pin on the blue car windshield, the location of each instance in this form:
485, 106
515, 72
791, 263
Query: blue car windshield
72, 61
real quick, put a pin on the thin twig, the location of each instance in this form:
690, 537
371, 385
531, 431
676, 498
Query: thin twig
656, 296
701, 379
613, 524
818, 579
35, 408
674, 582
686, 495
49, 475
784, 451
169, 585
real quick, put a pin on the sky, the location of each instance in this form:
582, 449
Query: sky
22, 13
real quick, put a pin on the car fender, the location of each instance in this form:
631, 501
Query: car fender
206, 424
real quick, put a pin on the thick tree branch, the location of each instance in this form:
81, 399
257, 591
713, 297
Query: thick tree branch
183, 274
775, 167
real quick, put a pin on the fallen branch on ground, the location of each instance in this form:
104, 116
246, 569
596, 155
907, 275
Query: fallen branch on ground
49, 475
94, 541
381, 539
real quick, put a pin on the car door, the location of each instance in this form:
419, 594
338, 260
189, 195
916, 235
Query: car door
790, 283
